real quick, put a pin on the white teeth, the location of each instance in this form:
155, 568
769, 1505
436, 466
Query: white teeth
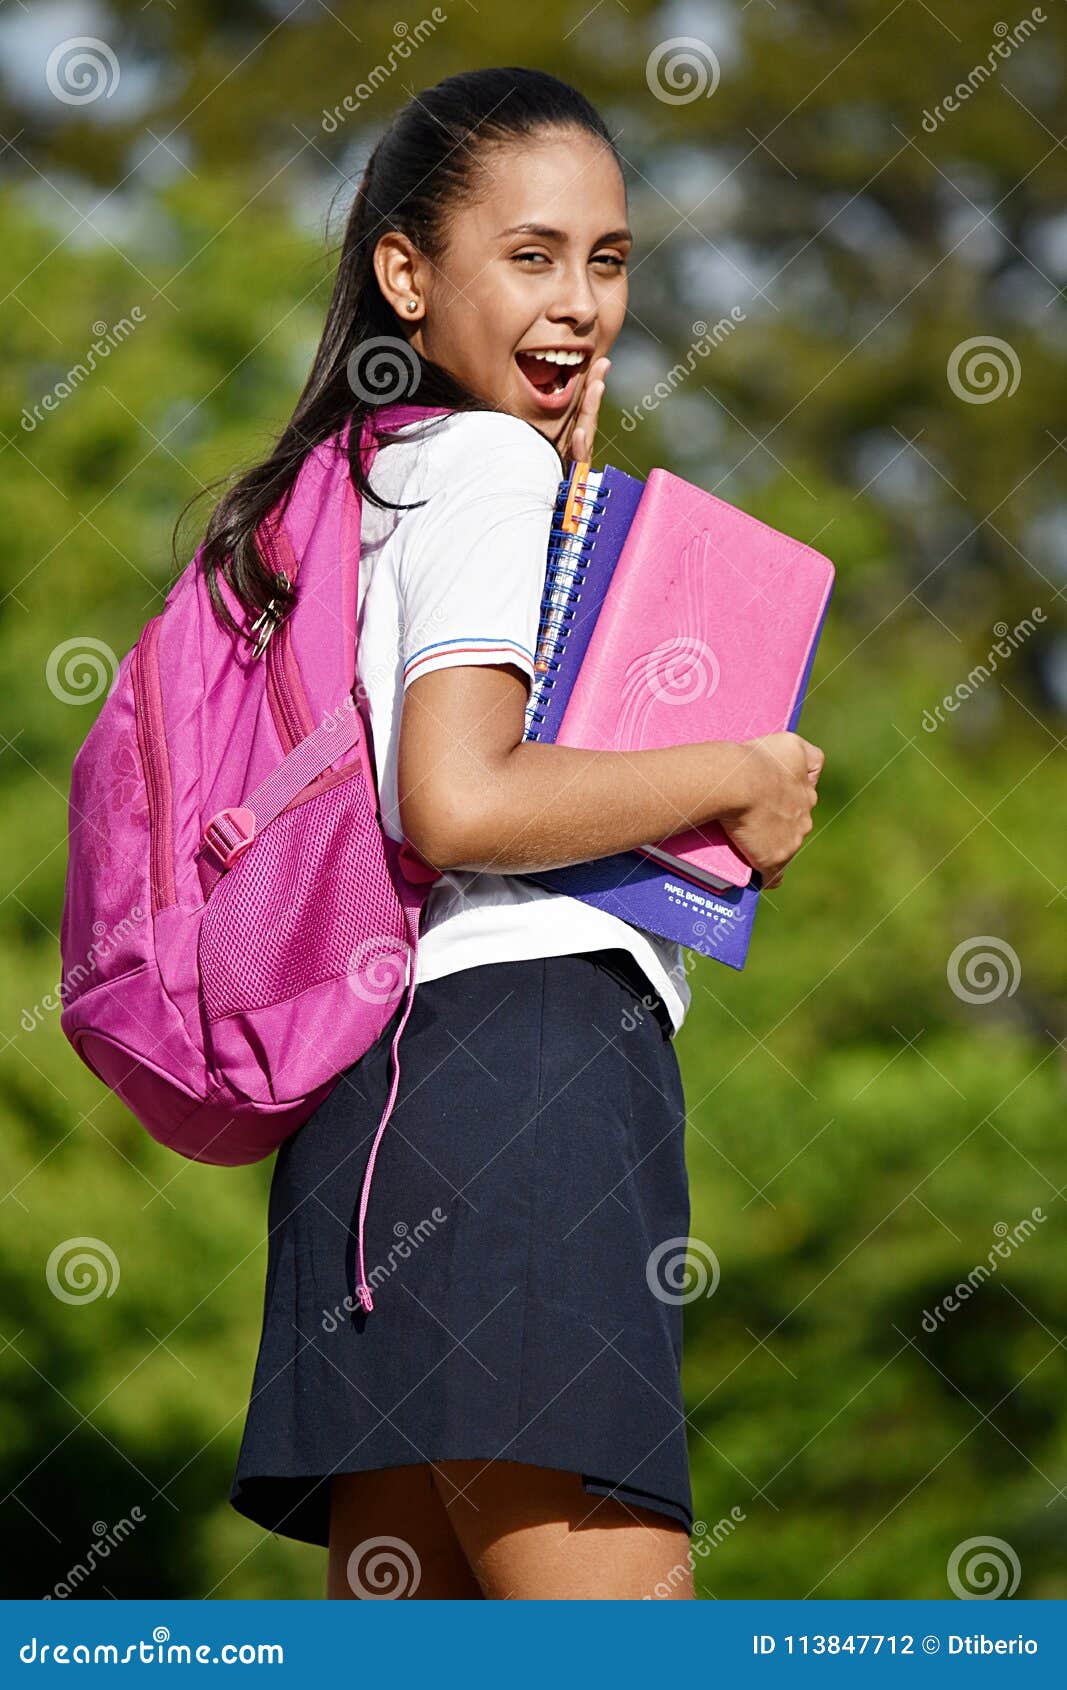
559, 357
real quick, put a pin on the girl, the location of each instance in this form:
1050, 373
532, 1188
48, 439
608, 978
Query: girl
509, 1421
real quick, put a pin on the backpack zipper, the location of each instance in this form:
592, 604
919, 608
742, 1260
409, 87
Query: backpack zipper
285, 691
152, 744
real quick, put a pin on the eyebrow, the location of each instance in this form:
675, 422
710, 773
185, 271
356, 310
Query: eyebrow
548, 234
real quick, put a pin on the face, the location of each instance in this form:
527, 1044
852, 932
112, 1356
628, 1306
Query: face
537, 266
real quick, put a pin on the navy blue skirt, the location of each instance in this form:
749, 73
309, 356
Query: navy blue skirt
529, 1188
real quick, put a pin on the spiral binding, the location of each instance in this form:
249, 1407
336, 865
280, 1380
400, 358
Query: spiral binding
569, 551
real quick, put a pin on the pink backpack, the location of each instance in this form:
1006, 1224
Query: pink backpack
238, 928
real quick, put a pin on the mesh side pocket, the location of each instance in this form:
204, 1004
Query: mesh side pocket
309, 901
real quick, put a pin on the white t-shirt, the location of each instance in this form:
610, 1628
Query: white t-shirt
457, 581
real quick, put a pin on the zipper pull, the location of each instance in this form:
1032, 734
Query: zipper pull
269, 617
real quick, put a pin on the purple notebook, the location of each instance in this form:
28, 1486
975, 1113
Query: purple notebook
713, 921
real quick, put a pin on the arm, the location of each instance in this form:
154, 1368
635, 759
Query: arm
474, 795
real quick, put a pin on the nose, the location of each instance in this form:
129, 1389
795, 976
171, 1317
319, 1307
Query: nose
576, 301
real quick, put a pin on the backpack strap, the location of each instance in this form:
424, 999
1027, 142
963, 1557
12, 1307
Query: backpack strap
386, 417
231, 830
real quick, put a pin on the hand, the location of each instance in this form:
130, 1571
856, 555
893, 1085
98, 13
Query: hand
778, 791
583, 429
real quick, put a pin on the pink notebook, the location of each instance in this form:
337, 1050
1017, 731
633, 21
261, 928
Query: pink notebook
706, 631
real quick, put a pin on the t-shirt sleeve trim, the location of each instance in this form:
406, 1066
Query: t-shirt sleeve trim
469, 649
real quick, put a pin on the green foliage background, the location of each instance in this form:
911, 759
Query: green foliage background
858, 1129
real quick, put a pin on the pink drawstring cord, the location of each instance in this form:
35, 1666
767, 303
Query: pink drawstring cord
362, 1288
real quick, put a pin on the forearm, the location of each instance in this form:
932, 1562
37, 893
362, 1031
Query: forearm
545, 806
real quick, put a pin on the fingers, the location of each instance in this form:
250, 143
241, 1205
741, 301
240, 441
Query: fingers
816, 757
585, 424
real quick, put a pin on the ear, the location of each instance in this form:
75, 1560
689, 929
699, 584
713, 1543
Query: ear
397, 270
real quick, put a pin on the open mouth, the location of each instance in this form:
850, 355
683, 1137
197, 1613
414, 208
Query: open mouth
552, 376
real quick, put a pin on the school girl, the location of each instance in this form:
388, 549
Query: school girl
508, 1422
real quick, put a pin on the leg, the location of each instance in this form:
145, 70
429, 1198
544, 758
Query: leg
534, 1533
390, 1537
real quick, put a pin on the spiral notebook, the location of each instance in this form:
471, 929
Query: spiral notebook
668, 617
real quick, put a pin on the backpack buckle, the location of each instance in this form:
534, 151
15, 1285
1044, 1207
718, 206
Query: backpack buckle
228, 833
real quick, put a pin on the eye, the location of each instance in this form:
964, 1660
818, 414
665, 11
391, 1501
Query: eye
601, 258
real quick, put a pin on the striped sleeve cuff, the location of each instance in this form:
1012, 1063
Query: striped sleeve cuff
447, 654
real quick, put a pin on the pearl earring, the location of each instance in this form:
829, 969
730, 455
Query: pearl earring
413, 305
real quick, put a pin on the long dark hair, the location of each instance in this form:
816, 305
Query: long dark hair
425, 165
